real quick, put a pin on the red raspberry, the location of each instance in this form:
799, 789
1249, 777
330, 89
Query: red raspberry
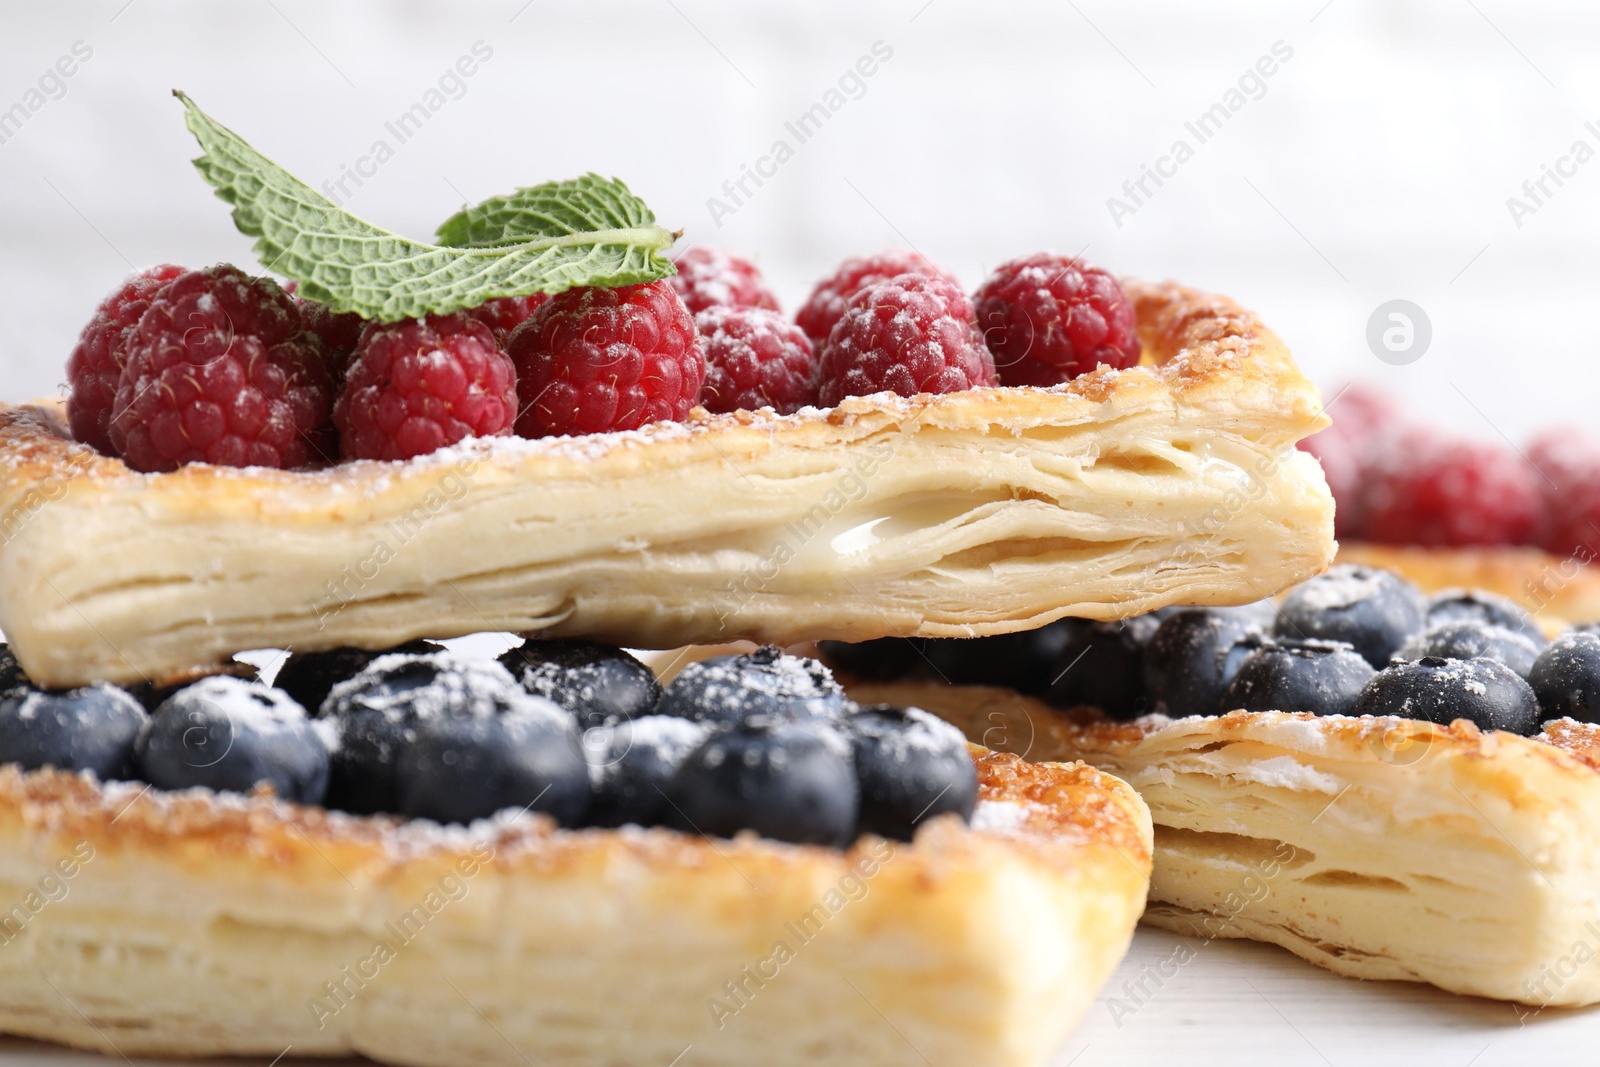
755, 358
220, 371
714, 277
828, 300
1429, 490
1364, 421
1568, 462
1049, 318
420, 384
911, 335
339, 332
506, 313
596, 359
95, 366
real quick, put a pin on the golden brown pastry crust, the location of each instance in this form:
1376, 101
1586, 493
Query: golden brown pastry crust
1558, 591
970, 513
188, 924
1376, 847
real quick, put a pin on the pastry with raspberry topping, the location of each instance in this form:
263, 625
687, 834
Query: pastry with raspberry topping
421, 384
595, 359
913, 334
221, 370
95, 366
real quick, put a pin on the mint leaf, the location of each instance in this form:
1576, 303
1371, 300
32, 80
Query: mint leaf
554, 209
585, 232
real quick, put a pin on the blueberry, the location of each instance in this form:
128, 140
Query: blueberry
91, 729
1478, 605
1322, 677
230, 734
152, 695
1192, 658
911, 767
791, 781
1482, 691
599, 684
377, 713
310, 676
882, 660
1021, 661
466, 765
1473, 639
1566, 677
631, 764
12, 677
1101, 665
727, 689
1374, 610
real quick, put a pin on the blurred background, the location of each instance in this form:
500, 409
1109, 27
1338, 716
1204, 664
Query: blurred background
1357, 152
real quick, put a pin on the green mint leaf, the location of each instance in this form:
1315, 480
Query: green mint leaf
585, 232
554, 209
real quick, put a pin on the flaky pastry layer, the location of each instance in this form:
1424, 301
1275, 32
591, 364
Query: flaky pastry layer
1375, 847
185, 924
965, 514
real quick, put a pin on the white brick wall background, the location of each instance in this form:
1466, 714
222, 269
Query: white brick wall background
1376, 162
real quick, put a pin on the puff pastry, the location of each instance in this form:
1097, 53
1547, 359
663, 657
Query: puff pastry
1375, 847
186, 924
965, 514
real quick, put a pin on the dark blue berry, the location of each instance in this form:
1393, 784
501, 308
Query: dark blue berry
1473, 639
468, 765
728, 689
230, 734
152, 696
882, 660
1566, 677
12, 677
1484, 692
1022, 661
598, 683
1322, 677
791, 781
1101, 665
1193, 656
911, 767
310, 676
631, 765
90, 729
1374, 610
377, 713
1478, 605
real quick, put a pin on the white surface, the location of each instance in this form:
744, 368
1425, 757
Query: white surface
1243, 1005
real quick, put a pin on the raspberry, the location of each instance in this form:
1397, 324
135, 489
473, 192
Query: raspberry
1364, 420
828, 300
911, 335
1049, 318
755, 358
96, 363
714, 277
220, 371
506, 313
1429, 490
1568, 462
598, 359
420, 384
339, 332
